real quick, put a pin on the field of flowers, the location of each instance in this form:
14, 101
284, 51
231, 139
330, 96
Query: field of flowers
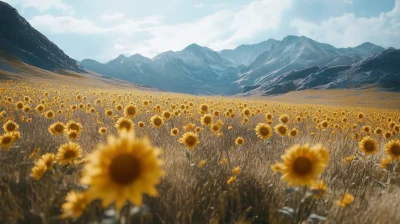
71, 154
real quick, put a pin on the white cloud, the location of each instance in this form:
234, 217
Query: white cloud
348, 1
42, 5
149, 36
112, 17
348, 30
219, 5
198, 6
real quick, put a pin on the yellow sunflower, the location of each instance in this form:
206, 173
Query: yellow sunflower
190, 140
281, 129
124, 124
302, 165
57, 128
123, 169
48, 159
72, 135
141, 124
68, 152
10, 126
263, 131
156, 121
130, 111
72, 125
392, 149
75, 205
294, 132
39, 169
206, 119
7, 140
174, 132
103, 130
346, 200
239, 141
284, 118
368, 145
167, 115
49, 114
319, 189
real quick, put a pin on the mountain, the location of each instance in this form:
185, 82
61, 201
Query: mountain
195, 69
245, 54
19, 39
300, 52
379, 70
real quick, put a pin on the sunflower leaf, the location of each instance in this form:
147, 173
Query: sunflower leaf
187, 155
316, 218
287, 211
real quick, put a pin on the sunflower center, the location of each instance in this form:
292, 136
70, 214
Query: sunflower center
207, 120
59, 128
282, 130
6, 140
302, 166
190, 140
264, 131
369, 146
69, 154
125, 125
395, 150
10, 127
131, 111
124, 169
157, 121
74, 127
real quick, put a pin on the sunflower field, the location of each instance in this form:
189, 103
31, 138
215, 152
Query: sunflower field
71, 154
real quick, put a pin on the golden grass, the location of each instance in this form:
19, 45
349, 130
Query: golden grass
195, 188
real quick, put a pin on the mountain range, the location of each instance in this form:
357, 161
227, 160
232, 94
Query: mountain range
270, 67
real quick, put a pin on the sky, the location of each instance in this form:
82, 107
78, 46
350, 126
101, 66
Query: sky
103, 29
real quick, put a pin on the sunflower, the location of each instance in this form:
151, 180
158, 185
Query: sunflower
19, 105
122, 170
268, 116
366, 129
263, 131
141, 124
39, 108
10, 126
392, 149
385, 162
387, 134
7, 140
75, 205
124, 124
223, 161
190, 140
284, 118
156, 121
231, 180
294, 132
26, 109
206, 119
322, 151
216, 128
239, 141
302, 165
130, 111
39, 169
281, 129
204, 108
72, 135
103, 130
202, 163
174, 132
49, 114
368, 145
48, 159
167, 115
109, 113
349, 159
57, 128
72, 125
189, 127
68, 152
378, 131
236, 170
197, 129
319, 189
346, 200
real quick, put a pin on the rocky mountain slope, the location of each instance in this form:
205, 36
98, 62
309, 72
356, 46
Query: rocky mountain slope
19, 39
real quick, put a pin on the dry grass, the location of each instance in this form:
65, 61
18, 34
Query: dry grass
188, 194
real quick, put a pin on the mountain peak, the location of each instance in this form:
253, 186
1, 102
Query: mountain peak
193, 47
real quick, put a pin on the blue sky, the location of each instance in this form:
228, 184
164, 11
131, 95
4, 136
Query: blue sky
101, 30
